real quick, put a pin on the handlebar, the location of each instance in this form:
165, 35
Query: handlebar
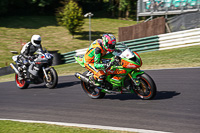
116, 59
110, 64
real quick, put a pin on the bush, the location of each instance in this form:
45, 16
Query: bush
71, 17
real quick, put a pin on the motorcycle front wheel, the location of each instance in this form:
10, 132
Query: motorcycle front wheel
21, 84
92, 92
52, 80
147, 88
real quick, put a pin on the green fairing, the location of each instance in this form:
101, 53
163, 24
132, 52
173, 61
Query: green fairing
132, 61
115, 83
80, 60
134, 74
119, 83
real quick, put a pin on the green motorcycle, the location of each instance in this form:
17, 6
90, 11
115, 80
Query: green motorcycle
122, 76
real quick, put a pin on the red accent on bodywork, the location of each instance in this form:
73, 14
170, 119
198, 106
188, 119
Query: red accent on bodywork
139, 57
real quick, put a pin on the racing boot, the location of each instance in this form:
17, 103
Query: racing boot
20, 75
95, 82
26, 76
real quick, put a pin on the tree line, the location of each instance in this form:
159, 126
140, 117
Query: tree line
101, 8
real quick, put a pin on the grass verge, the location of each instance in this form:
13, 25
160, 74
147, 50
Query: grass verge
21, 127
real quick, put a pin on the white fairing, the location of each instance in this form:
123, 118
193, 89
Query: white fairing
127, 54
47, 55
116, 53
15, 58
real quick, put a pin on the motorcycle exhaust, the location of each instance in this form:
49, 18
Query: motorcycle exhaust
14, 68
82, 77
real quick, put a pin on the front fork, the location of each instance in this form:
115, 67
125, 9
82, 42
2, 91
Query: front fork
45, 73
133, 77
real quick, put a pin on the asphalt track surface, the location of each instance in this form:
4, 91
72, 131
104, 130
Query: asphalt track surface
176, 108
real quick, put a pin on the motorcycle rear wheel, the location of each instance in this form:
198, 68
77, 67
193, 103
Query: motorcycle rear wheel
147, 89
21, 84
52, 81
92, 92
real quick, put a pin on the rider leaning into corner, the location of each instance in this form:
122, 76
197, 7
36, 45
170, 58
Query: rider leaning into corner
92, 58
27, 53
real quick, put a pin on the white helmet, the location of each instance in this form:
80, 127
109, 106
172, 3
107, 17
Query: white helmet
36, 40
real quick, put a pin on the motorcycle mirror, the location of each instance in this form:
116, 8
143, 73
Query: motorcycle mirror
45, 50
14, 52
124, 45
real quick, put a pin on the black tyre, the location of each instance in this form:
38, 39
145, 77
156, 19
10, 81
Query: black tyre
21, 84
147, 89
52, 80
92, 92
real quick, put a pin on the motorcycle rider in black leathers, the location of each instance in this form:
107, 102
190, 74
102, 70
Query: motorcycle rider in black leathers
27, 53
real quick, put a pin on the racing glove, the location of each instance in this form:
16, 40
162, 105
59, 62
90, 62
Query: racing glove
30, 58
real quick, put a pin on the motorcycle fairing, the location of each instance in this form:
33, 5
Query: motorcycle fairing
116, 75
80, 60
127, 54
15, 58
134, 74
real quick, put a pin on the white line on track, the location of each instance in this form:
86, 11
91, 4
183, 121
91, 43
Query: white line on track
89, 126
171, 68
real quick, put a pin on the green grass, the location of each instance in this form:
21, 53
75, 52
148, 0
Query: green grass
173, 58
21, 127
14, 30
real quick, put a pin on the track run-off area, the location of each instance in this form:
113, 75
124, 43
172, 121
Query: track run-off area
175, 108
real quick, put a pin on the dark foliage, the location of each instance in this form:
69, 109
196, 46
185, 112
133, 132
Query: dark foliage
101, 8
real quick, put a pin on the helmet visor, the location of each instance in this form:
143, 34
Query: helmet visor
37, 42
111, 46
